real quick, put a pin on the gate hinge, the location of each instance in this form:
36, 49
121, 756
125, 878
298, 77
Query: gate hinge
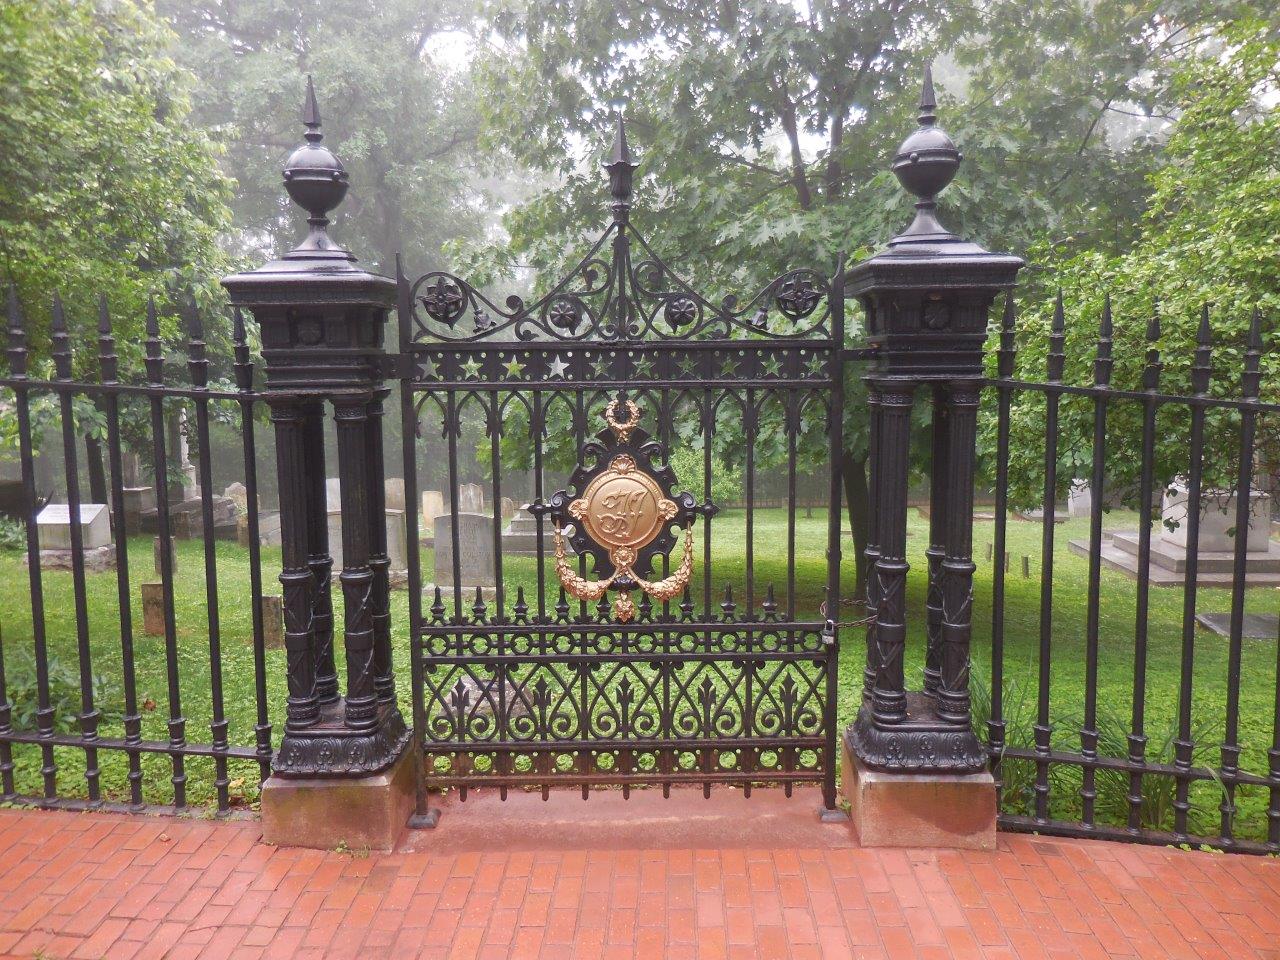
395, 366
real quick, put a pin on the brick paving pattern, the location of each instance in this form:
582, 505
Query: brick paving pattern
120, 887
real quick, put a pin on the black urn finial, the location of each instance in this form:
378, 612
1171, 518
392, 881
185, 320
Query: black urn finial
924, 164
317, 182
621, 167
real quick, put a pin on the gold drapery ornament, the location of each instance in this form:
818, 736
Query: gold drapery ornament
623, 509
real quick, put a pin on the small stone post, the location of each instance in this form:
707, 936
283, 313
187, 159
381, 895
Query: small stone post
343, 771
915, 773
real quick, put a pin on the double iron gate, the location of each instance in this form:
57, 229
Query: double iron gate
524, 673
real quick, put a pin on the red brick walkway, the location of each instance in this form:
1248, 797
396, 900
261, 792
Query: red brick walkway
644, 878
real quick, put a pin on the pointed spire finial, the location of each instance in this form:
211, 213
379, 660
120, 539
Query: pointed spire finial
1204, 333
104, 316
17, 348
621, 167
1255, 330
153, 322
1059, 316
238, 333
311, 114
928, 102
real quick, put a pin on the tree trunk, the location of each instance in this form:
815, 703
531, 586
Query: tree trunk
857, 500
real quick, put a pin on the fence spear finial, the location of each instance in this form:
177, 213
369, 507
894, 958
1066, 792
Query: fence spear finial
311, 114
928, 102
317, 182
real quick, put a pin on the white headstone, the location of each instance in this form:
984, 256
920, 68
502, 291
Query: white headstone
1080, 499
432, 507
471, 498
396, 552
333, 493
508, 508
475, 550
1217, 519
393, 489
54, 523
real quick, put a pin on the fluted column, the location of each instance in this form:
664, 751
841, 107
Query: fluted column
961, 399
888, 700
296, 578
873, 543
319, 560
352, 416
938, 496
379, 562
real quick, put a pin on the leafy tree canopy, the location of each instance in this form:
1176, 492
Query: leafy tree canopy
107, 186
402, 124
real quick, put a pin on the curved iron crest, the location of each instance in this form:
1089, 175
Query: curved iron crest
610, 296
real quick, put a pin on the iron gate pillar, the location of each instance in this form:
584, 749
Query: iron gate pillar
342, 772
915, 772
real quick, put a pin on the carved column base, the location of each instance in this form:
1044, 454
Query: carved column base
920, 744
934, 809
331, 750
324, 813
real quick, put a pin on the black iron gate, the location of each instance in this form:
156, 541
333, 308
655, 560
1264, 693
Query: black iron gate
722, 669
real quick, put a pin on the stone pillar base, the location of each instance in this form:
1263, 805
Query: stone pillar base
328, 812
919, 809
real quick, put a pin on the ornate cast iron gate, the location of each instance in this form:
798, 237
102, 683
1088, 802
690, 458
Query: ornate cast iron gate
700, 670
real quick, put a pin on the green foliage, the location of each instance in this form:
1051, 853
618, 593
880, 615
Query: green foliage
402, 124
106, 185
23, 688
13, 535
1207, 239
688, 461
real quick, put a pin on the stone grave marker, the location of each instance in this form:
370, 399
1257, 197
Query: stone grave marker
471, 498
137, 501
54, 525
157, 553
272, 621
153, 609
475, 552
393, 490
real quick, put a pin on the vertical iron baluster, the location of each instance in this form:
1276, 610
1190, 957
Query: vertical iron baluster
243, 367
1249, 383
750, 419
536, 433
422, 814
198, 369
831, 633
499, 666
89, 714
1089, 731
1137, 738
792, 400
44, 710
177, 724
1043, 730
6, 730
1005, 357
108, 367
1183, 746
452, 427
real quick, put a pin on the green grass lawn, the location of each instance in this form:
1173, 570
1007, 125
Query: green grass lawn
1021, 619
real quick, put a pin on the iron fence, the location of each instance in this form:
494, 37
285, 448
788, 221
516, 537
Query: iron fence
1172, 759
76, 721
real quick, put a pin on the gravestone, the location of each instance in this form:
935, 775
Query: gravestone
333, 493
137, 501
1215, 556
54, 526
186, 519
268, 529
472, 697
398, 570
157, 553
520, 538
432, 507
471, 498
272, 621
238, 494
153, 609
475, 552
508, 508
1080, 499
393, 490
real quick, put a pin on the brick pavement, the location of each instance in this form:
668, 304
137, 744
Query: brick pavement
671, 879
